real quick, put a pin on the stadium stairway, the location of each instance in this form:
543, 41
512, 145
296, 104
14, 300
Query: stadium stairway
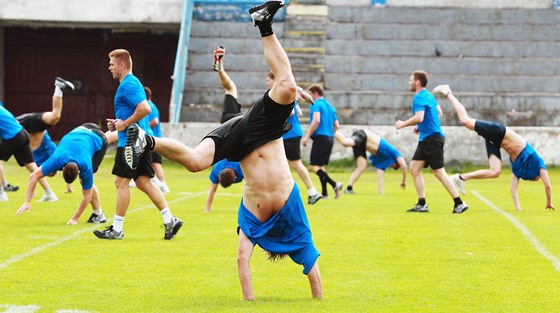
503, 64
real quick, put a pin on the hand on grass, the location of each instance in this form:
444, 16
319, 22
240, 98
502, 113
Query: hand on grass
24, 207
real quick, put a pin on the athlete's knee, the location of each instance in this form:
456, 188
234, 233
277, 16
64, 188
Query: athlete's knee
494, 172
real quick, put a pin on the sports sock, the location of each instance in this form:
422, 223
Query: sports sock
48, 192
461, 177
265, 29
321, 175
167, 216
349, 188
457, 200
118, 223
150, 142
57, 91
328, 179
421, 201
312, 191
97, 211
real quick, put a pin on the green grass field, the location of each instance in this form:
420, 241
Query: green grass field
375, 257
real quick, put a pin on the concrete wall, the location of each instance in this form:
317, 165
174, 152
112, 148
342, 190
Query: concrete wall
1, 63
461, 144
533, 4
95, 11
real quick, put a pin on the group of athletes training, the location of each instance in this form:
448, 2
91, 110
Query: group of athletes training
253, 147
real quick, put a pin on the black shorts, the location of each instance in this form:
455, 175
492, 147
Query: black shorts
100, 154
430, 150
321, 150
292, 148
156, 158
493, 133
144, 168
360, 139
18, 146
264, 122
33, 122
231, 108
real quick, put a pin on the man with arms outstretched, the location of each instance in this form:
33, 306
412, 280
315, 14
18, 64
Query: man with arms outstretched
271, 213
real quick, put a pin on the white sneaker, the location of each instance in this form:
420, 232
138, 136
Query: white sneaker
3, 196
442, 90
48, 198
459, 183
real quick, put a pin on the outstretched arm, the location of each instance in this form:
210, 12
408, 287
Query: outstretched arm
380, 179
32, 182
547, 189
514, 196
345, 141
404, 169
210, 197
314, 277
244, 252
414, 120
87, 195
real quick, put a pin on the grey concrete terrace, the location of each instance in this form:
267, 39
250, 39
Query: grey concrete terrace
465, 32
425, 15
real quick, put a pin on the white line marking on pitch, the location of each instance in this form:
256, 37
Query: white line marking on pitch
40, 248
524, 230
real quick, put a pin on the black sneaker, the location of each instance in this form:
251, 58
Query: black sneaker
264, 13
109, 233
314, 199
63, 83
135, 145
172, 228
11, 188
97, 219
460, 208
419, 208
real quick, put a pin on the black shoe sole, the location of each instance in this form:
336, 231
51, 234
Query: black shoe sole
175, 230
265, 5
101, 235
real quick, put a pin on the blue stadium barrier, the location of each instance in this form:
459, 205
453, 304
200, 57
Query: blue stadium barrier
229, 10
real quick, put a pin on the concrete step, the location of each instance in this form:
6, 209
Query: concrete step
438, 16
472, 83
305, 34
448, 48
223, 29
426, 31
442, 65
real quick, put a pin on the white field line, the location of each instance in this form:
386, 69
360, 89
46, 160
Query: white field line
524, 230
75, 234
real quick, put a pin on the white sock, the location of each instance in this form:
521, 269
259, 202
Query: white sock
57, 91
48, 192
5, 184
167, 216
118, 223
312, 191
97, 212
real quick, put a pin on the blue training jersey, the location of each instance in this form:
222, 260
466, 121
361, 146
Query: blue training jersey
154, 114
328, 117
528, 164
296, 130
45, 150
386, 155
425, 101
223, 164
9, 126
77, 146
129, 94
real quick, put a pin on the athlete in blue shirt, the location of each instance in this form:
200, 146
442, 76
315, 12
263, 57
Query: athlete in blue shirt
430, 143
154, 121
324, 123
526, 163
131, 106
79, 153
382, 156
14, 140
224, 173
